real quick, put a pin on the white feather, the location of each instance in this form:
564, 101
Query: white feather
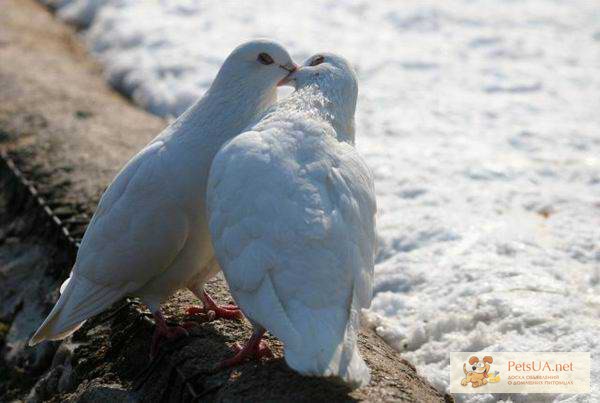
80, 299
292, 215
149, 235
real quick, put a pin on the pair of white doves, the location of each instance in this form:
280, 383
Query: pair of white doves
273, 193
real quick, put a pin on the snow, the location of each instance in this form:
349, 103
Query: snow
481, 123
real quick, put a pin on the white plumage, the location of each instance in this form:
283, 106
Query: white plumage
292, 215
149, 235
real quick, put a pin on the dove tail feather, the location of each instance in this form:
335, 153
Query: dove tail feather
328, 349
80, 299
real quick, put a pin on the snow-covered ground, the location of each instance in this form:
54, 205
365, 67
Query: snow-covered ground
481, 122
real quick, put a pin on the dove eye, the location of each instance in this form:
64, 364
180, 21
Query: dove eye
265, 59
317, 60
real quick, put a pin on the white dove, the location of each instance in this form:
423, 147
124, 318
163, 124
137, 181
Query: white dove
149, 235
292, 216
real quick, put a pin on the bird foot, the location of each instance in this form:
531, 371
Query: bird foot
228, 312
251, 351
164, 332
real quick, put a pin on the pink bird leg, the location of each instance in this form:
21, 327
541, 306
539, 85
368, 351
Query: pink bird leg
163, 331
255, 349
230, 312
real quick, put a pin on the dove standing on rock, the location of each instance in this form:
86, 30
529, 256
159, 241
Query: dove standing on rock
292, 216
149, 236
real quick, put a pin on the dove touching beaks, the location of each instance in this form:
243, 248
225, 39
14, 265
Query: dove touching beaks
149, 235
292, 216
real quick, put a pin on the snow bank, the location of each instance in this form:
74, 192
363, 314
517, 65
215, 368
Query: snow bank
481, 122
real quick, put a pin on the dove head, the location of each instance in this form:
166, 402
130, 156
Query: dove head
333, 77
245, 86
258, 65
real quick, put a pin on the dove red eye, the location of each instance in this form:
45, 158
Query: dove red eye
317, 60
265, 59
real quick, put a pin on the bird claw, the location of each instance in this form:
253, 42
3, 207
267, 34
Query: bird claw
200, 314
228, 312
247, 353
172, 333
264, 351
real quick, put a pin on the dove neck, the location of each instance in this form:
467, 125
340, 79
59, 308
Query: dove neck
230, 106
330, 106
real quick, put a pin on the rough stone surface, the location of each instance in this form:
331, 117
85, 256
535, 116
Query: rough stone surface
63, 137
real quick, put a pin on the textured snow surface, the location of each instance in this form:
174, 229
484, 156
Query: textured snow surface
481, 122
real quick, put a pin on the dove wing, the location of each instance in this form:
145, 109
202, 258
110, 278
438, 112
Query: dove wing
130, 239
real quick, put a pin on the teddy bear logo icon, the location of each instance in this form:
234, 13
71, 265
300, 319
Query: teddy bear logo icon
477, 373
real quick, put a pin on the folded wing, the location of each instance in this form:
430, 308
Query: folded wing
129, 241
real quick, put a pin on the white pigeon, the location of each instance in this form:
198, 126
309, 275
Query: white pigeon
292, 215
149, 235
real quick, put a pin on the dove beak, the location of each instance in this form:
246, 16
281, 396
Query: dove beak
291, 68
